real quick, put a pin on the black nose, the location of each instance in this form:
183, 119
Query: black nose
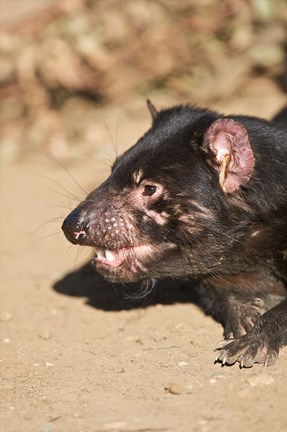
75, 228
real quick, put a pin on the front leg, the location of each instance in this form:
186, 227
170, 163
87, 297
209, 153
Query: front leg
237, 309
262, 343
242, 311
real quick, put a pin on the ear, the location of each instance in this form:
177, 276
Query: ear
152, 109
227, 144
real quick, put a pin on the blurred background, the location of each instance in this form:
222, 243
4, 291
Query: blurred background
68, 65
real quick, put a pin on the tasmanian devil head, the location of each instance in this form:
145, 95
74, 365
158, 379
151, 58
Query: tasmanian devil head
169, 204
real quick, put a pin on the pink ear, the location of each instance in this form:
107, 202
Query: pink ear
227, 143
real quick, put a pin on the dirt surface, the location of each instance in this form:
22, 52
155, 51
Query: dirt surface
77, 356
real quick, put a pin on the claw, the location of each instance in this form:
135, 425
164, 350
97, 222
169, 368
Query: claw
221, 344
247, 361
270, 359
221, 357
216, 358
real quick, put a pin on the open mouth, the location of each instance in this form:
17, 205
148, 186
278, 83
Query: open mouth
115, 258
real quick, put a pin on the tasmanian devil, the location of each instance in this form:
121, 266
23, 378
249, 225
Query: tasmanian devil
201, 196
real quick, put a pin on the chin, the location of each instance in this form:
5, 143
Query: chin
131, 264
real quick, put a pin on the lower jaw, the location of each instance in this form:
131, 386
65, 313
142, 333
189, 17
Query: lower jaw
120, 274
131, 270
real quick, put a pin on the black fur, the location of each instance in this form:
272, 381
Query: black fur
234, 244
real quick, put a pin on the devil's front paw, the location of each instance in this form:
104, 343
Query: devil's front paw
248, 349
241, 316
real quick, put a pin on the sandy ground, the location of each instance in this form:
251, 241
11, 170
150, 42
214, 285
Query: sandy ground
77, 356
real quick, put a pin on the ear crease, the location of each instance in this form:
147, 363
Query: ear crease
229, 151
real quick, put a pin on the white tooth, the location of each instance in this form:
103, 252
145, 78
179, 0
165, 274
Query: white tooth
109, 255
100, 253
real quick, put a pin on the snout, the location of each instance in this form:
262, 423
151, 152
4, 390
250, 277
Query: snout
75, 228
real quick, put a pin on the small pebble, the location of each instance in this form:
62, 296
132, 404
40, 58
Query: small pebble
54, 311
46, 335
174, 388
182, 363
48, 365
202, 422
115, 425
178, 389
260, 380
6, 316
215, 378
245, 393
6, 340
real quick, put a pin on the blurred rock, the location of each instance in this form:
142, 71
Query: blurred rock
260, 380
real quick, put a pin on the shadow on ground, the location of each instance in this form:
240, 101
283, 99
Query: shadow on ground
101, 294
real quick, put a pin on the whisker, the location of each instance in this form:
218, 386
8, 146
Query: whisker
101, 161
48, 235
64, 195
71, 195
54, 219
110, 134
79, 252
69, 173
58, 206
117, 136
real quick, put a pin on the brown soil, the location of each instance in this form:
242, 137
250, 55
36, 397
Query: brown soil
77, 356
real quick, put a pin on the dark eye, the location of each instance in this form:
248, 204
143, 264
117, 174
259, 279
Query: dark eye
149, 190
